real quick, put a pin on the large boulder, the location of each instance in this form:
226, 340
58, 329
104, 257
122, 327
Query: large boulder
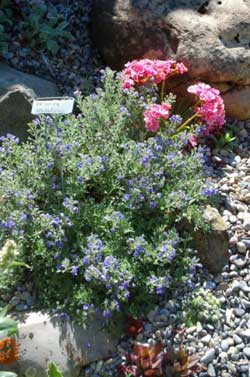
17, 91
42, 339
210, 37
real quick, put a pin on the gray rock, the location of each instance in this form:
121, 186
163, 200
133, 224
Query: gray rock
240, 285
241, 247
247, 243
210, 37
246, 225
246, 351
245, 303
226, 343
212, 246
246, 333
17, 91
211, 371
237, 339
42, 339
209, 356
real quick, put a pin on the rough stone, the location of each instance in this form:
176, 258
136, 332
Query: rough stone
17, 91
210, 37
213, 246
42, 338
209, 356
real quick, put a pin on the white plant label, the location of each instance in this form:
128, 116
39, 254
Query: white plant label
61, 105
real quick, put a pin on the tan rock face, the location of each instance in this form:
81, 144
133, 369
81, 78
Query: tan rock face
211, 37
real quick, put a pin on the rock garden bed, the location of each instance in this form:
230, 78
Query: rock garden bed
126, 224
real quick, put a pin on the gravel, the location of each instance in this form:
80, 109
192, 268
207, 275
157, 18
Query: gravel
75, 66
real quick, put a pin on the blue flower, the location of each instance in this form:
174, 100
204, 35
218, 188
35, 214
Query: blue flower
75, 270
208, 191
177, 119
79, 179
58, 243
85, 307
23, 216
126, 197
79, 165
106, 314
152, 204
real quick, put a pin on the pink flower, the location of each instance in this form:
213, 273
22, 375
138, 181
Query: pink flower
211, 109
138, 72
192, 142
154, 113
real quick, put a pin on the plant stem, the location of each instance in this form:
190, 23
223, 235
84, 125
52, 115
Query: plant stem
163, 89
184, 125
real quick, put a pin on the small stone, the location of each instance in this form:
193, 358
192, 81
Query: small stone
246, 242
211, 371
245, 303
237, 339
209, 356
226, 343
240, 263
241, 247
191, 330
246, 225
246, 333
233, 219
240, 285
239, 312
223, 357
206, 339
246, 351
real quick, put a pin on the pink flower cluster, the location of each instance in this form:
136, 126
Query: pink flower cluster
138, 72
211, 110
153, 114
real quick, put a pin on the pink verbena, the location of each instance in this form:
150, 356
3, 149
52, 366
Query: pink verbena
211, 110
153, 114
138, 72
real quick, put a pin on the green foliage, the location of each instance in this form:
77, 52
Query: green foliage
8, 374
226, 140
94, 203
40, 24
53, 371
44, 26
5, 22
201, 306
7, 326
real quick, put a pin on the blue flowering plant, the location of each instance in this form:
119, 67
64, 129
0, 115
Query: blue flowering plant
91, 205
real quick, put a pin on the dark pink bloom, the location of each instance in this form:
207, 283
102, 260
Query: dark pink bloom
154, 113
192, 142
211, 109
138, 72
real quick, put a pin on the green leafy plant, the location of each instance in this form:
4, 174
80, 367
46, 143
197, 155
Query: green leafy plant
44, 26
201, 306
53, 371
94, 203
41, 25
224, 141
8, 326
5, 22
